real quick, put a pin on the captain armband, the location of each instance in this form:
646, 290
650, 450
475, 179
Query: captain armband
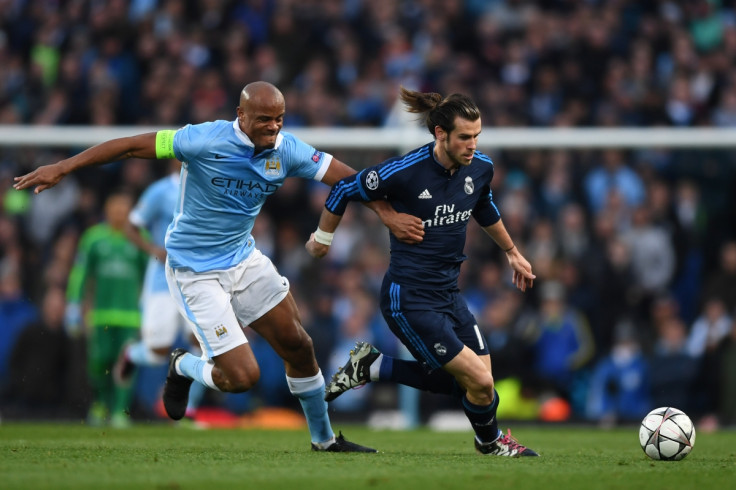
165, 144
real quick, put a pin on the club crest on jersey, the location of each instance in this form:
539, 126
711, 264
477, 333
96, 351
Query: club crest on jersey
221, 331
371, 180
469, 187
272, 168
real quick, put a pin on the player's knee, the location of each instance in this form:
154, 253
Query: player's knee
237, 379
305, 344
298, 342
243, 380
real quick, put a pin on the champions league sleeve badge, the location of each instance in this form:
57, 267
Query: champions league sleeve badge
371, 180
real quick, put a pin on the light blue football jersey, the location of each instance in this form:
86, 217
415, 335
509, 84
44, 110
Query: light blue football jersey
223, 187
154, 211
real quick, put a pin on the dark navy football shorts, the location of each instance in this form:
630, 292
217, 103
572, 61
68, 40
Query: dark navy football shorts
434, 325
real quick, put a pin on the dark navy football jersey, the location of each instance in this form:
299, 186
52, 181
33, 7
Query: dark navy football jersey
418, 185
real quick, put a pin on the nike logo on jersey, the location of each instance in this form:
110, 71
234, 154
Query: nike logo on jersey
425, 194
218, 156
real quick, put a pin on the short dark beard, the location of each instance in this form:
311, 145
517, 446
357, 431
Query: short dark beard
456, 163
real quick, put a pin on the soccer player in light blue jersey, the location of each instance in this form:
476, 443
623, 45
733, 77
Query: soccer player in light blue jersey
444, 183
219, 279
161, 322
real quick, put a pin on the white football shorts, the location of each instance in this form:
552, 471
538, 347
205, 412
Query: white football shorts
219, 302
162, 320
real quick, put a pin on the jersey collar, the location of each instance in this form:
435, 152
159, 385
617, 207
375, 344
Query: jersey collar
246, 140
437, 165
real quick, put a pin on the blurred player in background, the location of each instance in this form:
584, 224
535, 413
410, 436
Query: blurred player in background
107, 277
161, 321
218, 277
443, 183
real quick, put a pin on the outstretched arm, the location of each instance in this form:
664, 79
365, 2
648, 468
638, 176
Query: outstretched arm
523, 276
405, 227
47, 176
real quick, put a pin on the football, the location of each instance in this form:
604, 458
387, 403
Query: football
667, 434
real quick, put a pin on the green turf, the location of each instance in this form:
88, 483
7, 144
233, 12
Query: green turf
169, 457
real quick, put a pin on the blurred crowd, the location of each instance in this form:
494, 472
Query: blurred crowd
635, 251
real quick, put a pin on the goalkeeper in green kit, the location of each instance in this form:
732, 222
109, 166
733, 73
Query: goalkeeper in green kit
105, 284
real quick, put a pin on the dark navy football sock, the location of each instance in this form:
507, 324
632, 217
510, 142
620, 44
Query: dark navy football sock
411, 373
483, 418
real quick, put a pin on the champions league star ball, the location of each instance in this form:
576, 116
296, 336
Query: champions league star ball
667, 434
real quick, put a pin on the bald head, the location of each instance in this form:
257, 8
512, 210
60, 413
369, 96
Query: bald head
261, 113
260, 91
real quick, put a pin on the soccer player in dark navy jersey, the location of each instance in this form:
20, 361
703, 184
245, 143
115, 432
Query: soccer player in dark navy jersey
444, 183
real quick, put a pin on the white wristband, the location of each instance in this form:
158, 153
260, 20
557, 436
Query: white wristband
321, 236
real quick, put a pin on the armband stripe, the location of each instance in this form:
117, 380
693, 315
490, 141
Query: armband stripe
165, 144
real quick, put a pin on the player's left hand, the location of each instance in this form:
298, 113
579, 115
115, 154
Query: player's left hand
405, 227
316, 249
523, 277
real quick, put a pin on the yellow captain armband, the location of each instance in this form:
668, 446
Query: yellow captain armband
165, 144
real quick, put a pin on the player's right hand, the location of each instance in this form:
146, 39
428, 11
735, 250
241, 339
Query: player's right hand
316, 249
43, 178
523, 277
406, 228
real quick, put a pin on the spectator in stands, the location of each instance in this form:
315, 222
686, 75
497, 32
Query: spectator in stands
561, 339
726, 374
510, 352
619, 387
40, 383
487, 286
673, 371
613, 175
17, 312
652, 257
572, 231
556, 191
721, 282
607, 269
709, 330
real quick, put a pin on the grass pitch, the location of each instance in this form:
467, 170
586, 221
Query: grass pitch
37, 456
